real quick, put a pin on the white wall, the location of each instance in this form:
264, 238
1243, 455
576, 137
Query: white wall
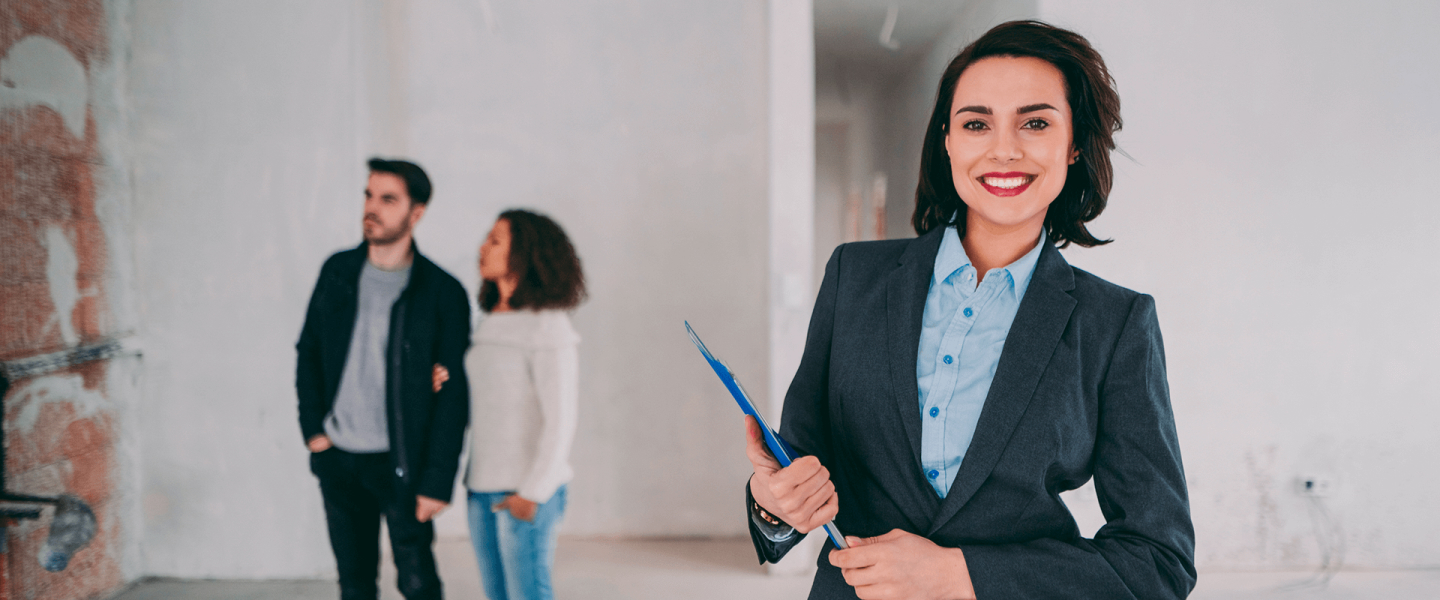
851, 106
247, 171
641, 128
115, 206
1277, 209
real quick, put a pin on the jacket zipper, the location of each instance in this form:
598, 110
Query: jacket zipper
397, 347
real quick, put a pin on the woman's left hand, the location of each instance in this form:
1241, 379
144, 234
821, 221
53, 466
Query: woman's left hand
903, 565
519, 508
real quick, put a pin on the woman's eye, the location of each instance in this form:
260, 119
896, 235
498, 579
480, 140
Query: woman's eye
974, 125
1036, 124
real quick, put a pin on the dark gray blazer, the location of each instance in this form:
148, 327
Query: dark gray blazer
1080, 391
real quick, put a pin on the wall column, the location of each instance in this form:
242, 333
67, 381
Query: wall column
792, 212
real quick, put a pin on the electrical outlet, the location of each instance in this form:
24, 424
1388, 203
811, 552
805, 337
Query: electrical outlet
1314, 485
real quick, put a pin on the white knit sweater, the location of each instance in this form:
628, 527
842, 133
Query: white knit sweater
524, 396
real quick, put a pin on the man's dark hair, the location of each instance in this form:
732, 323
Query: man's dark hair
417, 185
544, 261
1094, 111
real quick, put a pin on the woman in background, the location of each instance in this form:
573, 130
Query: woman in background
524, 402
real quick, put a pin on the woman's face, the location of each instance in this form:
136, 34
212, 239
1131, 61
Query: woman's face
495, 252
1009, 141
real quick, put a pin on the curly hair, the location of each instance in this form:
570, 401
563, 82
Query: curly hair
544, 261
1095, 110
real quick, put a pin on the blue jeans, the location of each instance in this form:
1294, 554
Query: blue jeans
515, 557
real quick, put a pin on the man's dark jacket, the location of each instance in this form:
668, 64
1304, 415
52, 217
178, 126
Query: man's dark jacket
429, 325
1079, 392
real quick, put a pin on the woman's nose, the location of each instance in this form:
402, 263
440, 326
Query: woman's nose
1006, 148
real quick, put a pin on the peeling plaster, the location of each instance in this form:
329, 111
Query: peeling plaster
61, 267
38, 70
36, 393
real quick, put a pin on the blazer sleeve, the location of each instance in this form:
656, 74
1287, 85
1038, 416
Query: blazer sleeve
309, 372
1147, 547
452, 402
803, 421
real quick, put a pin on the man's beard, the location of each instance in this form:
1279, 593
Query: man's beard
384, 237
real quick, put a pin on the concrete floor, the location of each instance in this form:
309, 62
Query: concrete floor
726, 569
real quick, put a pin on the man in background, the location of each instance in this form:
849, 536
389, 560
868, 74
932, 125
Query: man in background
381, 440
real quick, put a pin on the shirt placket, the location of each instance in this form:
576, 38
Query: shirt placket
947, 368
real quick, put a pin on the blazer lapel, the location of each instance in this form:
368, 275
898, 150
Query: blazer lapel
904, 310
1038, 325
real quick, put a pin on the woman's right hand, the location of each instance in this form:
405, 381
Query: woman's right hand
800, 494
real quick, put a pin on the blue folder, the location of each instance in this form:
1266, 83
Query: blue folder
778, 447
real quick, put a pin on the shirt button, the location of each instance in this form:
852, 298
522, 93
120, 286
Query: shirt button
948, 360
934, 411
933, 474
969, 313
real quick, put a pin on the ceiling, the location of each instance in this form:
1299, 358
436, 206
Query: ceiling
849, 30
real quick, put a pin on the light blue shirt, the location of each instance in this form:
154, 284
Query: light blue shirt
962, 334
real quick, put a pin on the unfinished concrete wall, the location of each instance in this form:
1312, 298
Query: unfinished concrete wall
249, 148
851, 106
640, 127
1277, 208
64, 276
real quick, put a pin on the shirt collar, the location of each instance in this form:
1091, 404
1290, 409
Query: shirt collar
952, 258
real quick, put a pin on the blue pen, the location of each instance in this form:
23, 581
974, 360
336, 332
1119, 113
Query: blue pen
778, 447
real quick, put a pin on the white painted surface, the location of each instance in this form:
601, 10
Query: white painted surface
852, 107
115, 207
248, 169
641, 128
791, 216
1278, 209
792, 189
61, 265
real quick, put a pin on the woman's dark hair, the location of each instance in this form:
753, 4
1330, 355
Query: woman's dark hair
545, 262
1094, 110
417, 185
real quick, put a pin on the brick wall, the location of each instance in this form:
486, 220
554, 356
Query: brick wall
60, 426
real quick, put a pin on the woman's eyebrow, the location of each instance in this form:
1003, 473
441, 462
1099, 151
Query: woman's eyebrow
1029, 108
984, 110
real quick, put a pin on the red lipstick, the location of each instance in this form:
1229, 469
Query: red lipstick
1007, 191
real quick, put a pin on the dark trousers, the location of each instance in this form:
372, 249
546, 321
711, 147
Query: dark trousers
358, 489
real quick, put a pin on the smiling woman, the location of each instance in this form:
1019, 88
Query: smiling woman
954, 384
1055, 98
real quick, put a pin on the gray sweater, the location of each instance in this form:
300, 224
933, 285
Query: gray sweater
357, 423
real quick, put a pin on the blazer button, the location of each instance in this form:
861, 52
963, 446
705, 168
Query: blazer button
399, 472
